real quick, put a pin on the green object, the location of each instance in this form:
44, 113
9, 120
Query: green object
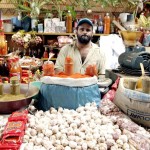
37, 84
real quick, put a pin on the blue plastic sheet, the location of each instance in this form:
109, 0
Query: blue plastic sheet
67, 97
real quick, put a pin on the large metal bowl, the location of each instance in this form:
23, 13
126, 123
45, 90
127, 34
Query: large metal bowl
7, 107
130, 38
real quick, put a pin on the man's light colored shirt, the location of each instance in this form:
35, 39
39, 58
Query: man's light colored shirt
95, 56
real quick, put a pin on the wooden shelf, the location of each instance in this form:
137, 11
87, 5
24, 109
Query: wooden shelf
57, 34
47, 59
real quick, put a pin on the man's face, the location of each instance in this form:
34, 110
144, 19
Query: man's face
84, 33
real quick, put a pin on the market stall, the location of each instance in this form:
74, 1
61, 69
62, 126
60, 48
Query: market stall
42, 109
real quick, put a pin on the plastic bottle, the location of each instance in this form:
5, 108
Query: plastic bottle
107, 24
69, 22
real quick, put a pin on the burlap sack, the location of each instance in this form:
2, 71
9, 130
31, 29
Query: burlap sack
133, 103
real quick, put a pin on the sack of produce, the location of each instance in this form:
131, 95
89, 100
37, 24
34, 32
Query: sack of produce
67, 92
134, 103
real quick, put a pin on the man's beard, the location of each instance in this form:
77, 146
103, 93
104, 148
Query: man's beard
84, 39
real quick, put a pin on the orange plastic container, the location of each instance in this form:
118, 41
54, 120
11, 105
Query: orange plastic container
91, 70
107, 24
69, 66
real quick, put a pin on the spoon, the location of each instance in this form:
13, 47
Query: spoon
51, 54
28, 81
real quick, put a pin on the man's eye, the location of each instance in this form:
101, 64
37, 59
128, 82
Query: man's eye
82, 29
88, 30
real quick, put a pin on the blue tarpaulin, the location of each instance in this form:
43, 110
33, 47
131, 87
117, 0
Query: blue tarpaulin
52, 95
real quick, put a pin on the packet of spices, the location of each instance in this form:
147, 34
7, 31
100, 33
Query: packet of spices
9, 146
19, 116
14, 127
13, 139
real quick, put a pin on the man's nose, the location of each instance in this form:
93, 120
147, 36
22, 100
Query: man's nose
84, 31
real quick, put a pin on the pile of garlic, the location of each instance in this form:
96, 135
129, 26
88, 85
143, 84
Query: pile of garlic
3, 121
82, 129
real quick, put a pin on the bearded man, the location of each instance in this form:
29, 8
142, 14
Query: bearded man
83, 51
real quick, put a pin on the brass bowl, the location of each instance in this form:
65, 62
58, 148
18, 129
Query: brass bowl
130, 38
8, 106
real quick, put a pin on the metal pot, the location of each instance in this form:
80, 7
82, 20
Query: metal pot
7, 107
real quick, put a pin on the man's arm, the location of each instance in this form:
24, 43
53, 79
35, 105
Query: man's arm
60, 61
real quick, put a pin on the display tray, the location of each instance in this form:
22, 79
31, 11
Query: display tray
30, 62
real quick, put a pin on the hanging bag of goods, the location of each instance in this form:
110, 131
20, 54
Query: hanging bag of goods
134, 102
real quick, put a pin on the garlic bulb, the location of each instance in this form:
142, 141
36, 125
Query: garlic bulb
72, 144
67, 148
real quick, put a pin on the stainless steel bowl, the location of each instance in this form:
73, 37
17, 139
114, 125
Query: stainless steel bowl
8, 106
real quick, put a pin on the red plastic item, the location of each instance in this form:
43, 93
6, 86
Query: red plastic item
19, 116
14, 127
9, 146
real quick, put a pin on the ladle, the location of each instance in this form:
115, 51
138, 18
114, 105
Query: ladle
139, 82
142, 69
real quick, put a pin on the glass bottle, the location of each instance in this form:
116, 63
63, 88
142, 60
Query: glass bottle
100, 25
45, 55
107, 24
112, 26
39, 53
69, 22
15, 69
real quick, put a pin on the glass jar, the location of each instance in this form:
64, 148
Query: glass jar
14, 86
69, 66
48, 68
